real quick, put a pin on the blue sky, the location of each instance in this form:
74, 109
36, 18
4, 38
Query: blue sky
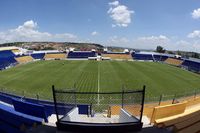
173, 24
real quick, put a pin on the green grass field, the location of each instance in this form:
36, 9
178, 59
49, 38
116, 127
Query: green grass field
38, 77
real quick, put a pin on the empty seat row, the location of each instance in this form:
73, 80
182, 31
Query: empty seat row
81, 54
117, 56
6, 54
15, 120
55, 56
139, 56
24, 59
160, 57
6, 59
191, 65
173, 61
38, 55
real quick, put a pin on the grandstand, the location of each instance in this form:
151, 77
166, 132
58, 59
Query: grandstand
24, 59
81, 54
160, 57
150, 56
191, 65
146, 56
174, 61
6, 59
54, 56
38, 55
13, 49
118, 56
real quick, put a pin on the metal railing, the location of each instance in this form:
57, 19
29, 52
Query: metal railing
108, 103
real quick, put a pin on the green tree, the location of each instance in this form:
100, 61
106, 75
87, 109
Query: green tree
178, 52
160, 49
195, 55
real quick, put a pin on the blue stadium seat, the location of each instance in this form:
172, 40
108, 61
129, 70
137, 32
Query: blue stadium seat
6, 59
15, 120
6, 54
28, 108
7, 128
80, 54
160, 57
140, 56
38, 56
48, 105
191, 65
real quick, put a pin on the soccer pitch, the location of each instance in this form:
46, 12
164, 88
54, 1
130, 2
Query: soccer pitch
97, 76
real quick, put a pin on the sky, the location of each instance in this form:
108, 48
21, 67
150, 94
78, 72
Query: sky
141, 24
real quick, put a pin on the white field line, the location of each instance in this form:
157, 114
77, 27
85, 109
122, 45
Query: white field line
98, 85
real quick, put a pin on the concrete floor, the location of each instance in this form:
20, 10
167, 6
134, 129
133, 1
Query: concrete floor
50, 129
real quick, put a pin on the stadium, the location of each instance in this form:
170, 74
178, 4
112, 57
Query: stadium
99, 66
124, 90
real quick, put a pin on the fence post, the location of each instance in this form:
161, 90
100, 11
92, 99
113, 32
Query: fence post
122, 95
74, 85
23, 94
122, 98
174, 99
55, 104
144, 87
160, 99
91, 114
195, 93
37, 96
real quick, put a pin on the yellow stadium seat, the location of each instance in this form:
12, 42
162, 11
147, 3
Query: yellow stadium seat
24, 59
55, 56
118, 56
173, 61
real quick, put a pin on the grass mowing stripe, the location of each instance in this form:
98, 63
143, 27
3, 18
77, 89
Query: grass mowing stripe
104, 76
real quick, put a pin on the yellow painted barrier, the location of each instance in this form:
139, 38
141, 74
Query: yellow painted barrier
167, 111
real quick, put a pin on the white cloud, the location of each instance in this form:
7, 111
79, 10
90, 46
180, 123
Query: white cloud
194, 34
192, 46
114, 3
120, 14
196, 13
94, 33
156, 40
118, 41
30, 24
28, 32
151, 42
